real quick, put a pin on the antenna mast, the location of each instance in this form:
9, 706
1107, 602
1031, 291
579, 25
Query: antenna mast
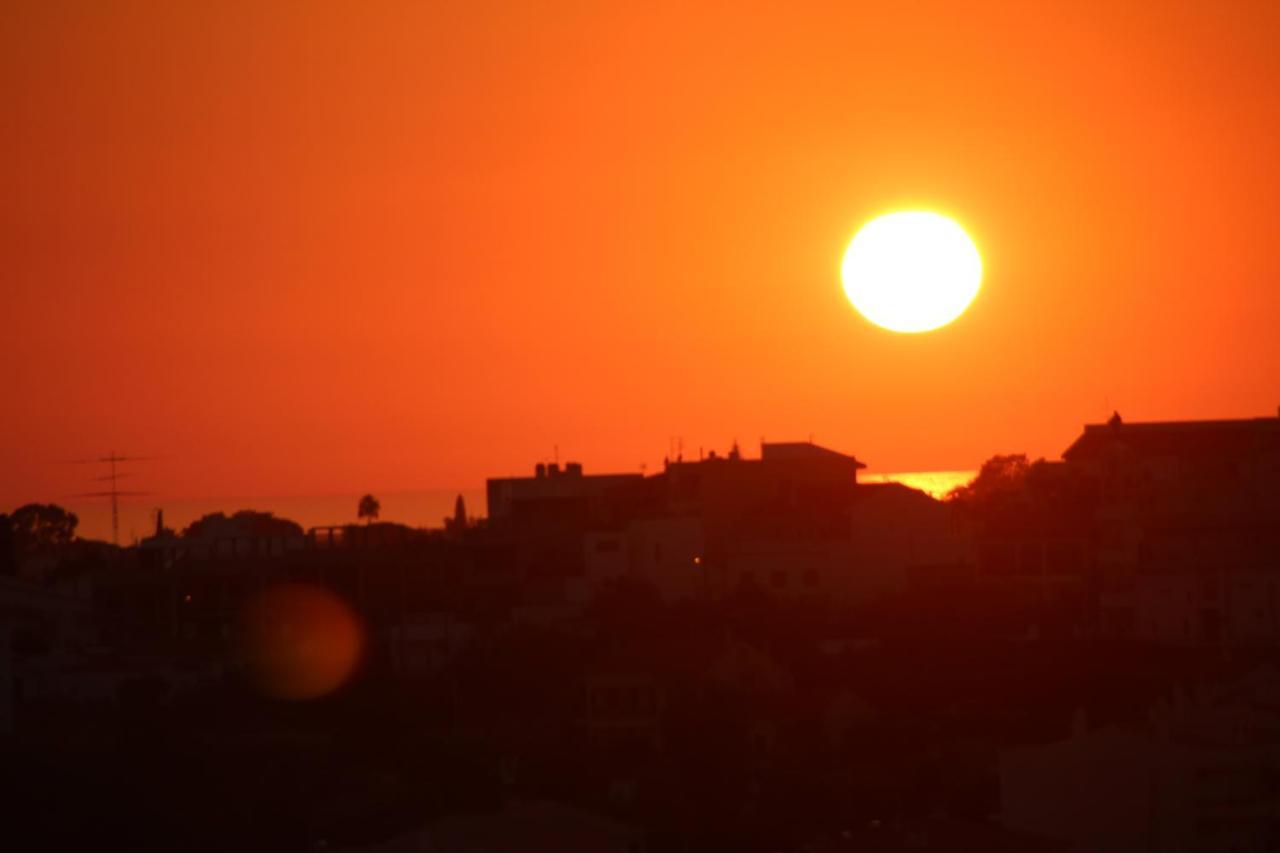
114, 492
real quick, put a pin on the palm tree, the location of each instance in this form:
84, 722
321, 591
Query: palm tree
368, 508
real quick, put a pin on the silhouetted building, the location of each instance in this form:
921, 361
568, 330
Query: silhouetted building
422, 643
552, 496
794, 522
1182, 467
1185, 532
532, 545
1207, 582
43, 631
1032, 551
1199, 774
623, 708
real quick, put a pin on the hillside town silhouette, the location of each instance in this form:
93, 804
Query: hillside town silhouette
738, 652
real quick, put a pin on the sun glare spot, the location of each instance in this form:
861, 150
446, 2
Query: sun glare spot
912, 271
299, 641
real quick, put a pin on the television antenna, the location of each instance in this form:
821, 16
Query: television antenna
112, 478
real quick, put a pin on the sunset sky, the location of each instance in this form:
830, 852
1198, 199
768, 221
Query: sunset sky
298, 248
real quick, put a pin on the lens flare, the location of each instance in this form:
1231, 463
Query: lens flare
299, 641
912, 271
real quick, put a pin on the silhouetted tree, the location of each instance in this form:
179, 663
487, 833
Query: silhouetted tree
42, 528
35, 539
457, 523
82, 557
1000, 478
368, 509
246, 522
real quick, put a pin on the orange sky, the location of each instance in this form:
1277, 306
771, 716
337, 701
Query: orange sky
297, 248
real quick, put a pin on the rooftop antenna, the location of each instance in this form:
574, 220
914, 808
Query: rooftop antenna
114, 492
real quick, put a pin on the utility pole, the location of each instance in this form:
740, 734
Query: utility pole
113, 478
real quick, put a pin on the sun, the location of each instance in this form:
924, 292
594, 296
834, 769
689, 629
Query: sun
911, 271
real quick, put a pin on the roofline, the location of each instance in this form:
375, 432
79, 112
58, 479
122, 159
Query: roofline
1118, 426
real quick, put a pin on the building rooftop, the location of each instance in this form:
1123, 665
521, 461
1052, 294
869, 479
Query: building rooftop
796, 450
790, 452
1159, 438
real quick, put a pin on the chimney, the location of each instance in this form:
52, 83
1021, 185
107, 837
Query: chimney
539, 470
553, 470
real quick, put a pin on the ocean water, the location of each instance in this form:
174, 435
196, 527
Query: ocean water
934, 483
416, 509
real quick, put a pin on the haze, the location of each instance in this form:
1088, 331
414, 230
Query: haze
313, 249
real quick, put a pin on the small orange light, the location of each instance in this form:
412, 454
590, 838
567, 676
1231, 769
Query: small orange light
697, 561
187, 598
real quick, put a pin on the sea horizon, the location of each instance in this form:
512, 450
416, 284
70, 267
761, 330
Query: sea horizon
423, 508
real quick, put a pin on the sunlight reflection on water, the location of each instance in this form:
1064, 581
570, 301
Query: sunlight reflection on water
934, 483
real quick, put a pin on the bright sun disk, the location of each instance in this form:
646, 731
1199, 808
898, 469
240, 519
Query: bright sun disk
912, 271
